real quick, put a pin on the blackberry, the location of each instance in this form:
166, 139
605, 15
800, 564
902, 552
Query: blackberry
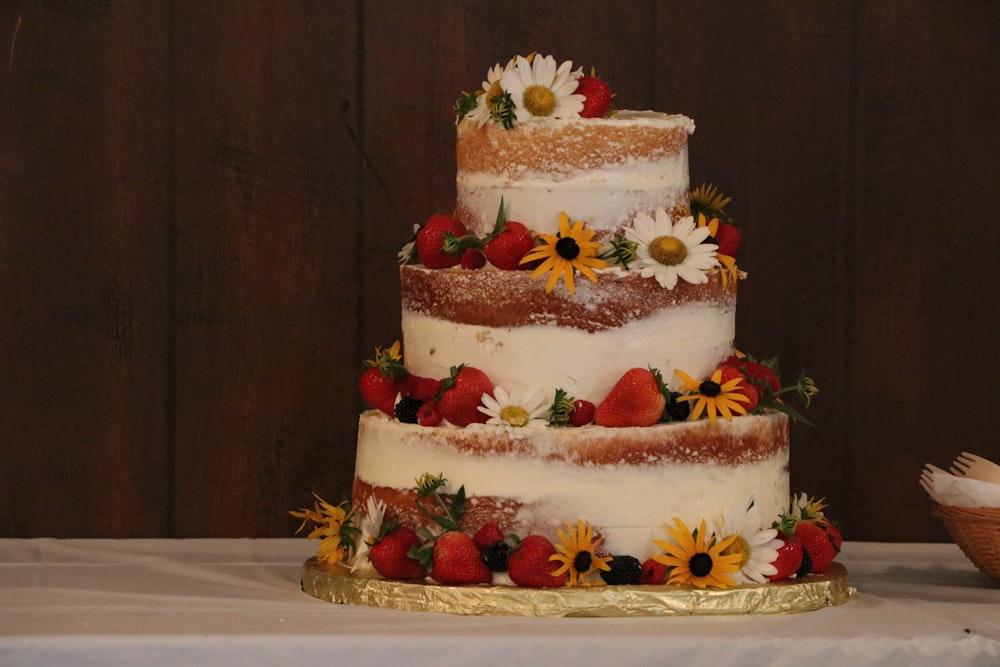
406, 409
496, 555
675, 410
625, 570
807, 564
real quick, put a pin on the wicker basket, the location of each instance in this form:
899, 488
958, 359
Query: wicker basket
976, 530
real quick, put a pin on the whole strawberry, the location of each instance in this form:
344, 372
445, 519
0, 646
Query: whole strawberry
817, 543
789, 557
728, 237
462, 393
597, 97
509, 244
635, 400
760, 375
529, 565
457, 561
438, 242
382, 378
390, 555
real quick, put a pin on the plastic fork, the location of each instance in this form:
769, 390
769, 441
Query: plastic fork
976, 467
927, 481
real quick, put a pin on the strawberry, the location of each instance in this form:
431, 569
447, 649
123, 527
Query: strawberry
457, 561
835, 536
462, 393
744, 387
760, 375
583, 413
597, 94
428, 414
529, 565
635, 400
510, 242
421, 388
473, 258
382, 378
653, 572
789, 557
488, 535
438, 242
817, 543
728, 237
389, 555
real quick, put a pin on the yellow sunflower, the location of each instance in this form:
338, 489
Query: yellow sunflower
729, 270
576, 553
697, 560
332, 526
713, 395
569, 250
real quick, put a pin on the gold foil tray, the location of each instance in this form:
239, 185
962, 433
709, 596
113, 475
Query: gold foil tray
339, 585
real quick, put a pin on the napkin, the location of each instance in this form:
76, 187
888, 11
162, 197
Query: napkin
957, 491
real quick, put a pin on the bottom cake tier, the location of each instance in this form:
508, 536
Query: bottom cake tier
337, 584
628, 483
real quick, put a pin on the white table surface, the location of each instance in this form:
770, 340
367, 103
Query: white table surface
238, 602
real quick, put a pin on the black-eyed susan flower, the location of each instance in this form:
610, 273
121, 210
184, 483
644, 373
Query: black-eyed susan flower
667, 251
333, 529
572, 249
728, 269
696, 558
710, 201
576, 553
713, 395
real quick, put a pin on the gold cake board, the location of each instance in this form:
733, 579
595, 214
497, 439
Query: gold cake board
337, 584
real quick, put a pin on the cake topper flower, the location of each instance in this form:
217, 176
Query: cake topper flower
668, 251
713, 395
540, 88
728, 269
696, 559
490, 94
756, 544
564, 253
515, 412
333, 528
576, 553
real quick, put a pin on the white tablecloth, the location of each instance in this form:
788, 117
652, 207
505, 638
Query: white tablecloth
238, 602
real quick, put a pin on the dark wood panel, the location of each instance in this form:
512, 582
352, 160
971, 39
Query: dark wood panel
83, 269
266, 260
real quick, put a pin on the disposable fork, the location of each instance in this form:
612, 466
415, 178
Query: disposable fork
976, 467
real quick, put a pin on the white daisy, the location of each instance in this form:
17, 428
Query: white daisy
370, 527
405, 253
540, 89
668, 250
757, 544
491, 88
520, 409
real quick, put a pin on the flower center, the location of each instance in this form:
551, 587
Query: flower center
567, 248
494, 92
709, 388
539, 100
668, 250
581, 562
700, 564
739, 546
514, 415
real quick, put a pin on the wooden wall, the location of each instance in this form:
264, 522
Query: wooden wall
201, 202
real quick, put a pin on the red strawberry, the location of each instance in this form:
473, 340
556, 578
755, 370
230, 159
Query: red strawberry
759, 375
598, 97
583, 413
420, 388
835, 536
653, 572
635, 400
389, 555
510, 243
437, 242
728, 237
462, 393
473, 258
382, 378
488, 535
428, 414
529, 565
817, 543
457, 561
744, 387
789, 557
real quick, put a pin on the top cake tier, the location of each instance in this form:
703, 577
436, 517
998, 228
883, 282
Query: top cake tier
600, 170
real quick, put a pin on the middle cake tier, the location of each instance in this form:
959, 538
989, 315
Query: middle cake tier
505, 324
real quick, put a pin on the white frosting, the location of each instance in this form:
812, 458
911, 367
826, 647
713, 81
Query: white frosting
693, 337
604, 199
628, 504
